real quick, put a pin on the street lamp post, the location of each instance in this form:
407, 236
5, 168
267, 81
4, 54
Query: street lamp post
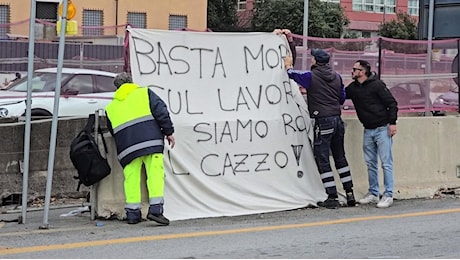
305, 34
384, 11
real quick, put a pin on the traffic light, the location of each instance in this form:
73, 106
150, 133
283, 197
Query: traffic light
72, 25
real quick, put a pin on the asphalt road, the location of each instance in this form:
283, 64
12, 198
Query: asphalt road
419, 228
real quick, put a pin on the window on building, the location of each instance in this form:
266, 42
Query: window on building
412, 7
366, 34
4, 19
358, 5
47, 11
177, 22
331, 1
93, 18
137, 20
255, 4
241, 5
375, 6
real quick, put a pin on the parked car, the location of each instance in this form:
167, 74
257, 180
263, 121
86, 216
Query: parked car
446, 102
83, 91
409, 95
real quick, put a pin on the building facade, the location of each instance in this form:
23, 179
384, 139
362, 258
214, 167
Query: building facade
365, 15
105, 17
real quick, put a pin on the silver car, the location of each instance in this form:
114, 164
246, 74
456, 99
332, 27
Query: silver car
446, 102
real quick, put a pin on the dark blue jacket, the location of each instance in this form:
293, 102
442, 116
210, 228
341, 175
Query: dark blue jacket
325, 90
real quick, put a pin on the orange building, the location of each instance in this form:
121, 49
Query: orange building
104, 17
365, 15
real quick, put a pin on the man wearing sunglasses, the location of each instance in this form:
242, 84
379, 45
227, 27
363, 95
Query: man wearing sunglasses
325, 94
377, 110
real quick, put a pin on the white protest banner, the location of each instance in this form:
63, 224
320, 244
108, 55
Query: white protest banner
241, 128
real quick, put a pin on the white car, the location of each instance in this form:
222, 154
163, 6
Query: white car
83, 91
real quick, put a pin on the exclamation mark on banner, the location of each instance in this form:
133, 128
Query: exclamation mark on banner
297, 150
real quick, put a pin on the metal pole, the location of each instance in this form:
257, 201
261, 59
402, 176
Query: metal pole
81, 54
458, 72
57, 93
428, 56
30, 72
379, 68
93, 191
116, 17
305, 34
384, 11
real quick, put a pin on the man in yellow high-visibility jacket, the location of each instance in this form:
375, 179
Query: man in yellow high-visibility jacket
139, 121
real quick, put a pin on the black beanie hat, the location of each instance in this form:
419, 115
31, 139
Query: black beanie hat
320, 55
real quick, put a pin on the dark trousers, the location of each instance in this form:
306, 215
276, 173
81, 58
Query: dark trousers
329, 136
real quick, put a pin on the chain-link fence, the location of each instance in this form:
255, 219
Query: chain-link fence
101, 52
422, 73
421, 78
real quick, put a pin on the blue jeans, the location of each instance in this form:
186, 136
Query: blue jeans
329, 136
378, 142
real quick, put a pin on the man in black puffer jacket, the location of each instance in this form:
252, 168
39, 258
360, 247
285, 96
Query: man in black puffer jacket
377, 110
325, 94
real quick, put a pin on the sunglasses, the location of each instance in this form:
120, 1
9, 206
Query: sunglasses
357, 69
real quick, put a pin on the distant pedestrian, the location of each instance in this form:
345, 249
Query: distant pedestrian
6, 84
377, 110
17, 76
139, 121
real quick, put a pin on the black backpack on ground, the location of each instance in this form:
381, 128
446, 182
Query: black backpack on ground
86, 157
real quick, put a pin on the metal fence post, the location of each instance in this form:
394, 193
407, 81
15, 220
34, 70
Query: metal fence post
458, 72
81, 54
379, 69
93, 190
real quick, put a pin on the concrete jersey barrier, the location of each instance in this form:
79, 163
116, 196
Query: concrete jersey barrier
426, 154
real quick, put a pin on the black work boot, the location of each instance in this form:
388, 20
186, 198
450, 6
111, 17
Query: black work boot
156, 214
351, 202
133, 216
331, 202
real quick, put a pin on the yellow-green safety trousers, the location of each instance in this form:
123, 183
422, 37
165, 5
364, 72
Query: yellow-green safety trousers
154, 168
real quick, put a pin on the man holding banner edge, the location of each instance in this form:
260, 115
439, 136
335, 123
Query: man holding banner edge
326, 93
